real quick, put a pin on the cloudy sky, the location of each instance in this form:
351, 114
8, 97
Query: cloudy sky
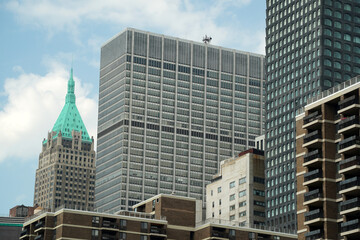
41, 39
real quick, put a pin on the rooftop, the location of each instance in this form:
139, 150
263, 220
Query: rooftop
69, 118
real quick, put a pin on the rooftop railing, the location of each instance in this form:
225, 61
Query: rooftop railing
330, 91
247, 225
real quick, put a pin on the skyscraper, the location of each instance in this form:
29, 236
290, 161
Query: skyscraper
311, 46
66, 171
169, 111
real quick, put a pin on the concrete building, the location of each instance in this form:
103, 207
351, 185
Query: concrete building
169, 111
237, 192
328, 165
161, 217
10, 227
311, 45
66, 170
260, 142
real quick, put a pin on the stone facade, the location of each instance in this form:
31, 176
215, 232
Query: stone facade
237, 191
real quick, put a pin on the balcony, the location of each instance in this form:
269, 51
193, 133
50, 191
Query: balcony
39, 237
350, 165
109, 224
349, 145
350, 186
353, 203
316, 234
310, 156
310, 138
39, 225
24, 232
219, 232
311, 118
352, 225
157, 230
348, 125
317, 173
347, 105
314, 214
313, 196
108, 236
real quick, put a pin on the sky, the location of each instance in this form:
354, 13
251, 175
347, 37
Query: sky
40, 40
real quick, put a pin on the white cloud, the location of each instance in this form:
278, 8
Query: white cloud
182, 18
33, 105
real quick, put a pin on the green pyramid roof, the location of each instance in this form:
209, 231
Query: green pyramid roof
69, 118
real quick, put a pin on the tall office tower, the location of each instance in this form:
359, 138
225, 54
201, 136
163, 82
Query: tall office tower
169, 111
311, 46
66, 171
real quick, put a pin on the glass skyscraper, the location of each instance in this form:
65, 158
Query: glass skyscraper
311, 45
169, 111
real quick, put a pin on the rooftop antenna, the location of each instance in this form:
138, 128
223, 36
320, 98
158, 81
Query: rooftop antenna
207, 39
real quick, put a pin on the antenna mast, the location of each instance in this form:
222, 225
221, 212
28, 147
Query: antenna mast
207, 39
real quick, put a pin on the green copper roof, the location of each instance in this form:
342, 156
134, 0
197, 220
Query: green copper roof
69, 118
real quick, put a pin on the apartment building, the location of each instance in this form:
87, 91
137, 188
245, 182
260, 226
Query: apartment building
328, 164
311, 46
160, 217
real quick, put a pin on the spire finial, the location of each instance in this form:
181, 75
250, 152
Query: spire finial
70, 96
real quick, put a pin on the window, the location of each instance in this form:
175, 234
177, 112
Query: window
231, 232
232, 217
219, 189
242, 193
259, 203
232, 207
94, 233
95, 220
232, 197
242, 180
259, 193
144, 225
122, 235
232, 184
242, 214
143, 237
242, 204
259, 180
122, 223
259, 213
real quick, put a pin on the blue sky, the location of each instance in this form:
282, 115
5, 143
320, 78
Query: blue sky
40, 39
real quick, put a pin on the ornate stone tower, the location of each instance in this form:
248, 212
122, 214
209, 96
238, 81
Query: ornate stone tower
66, 171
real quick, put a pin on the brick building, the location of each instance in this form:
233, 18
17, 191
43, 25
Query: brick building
160, 217
328, 164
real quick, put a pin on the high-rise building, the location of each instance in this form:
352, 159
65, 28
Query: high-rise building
66, 170
311, 46
328, 164
237, 192
169, 111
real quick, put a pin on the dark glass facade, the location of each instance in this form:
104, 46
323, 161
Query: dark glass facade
311, 45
